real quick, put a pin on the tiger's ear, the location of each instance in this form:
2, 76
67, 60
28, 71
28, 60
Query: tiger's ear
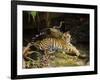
68, 32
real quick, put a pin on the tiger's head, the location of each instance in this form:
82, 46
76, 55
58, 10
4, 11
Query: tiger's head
67, 37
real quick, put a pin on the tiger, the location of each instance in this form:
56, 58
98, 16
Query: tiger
53, 44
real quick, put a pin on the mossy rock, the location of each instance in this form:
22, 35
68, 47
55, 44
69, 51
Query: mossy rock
59, 59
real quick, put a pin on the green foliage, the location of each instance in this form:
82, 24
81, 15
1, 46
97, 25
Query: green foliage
33, 13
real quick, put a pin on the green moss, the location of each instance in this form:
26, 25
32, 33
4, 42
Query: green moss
62, 59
